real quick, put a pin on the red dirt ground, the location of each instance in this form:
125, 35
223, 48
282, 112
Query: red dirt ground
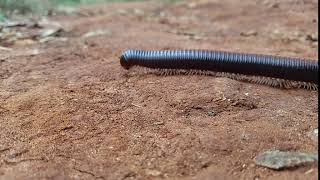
72, 112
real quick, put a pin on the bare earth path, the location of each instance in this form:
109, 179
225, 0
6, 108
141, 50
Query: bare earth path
71, 111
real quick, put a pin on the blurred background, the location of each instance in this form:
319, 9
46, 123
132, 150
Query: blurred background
45, 7
9, 7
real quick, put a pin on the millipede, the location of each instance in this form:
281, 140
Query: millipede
275, 71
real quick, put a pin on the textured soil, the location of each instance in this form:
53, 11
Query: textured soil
71, 112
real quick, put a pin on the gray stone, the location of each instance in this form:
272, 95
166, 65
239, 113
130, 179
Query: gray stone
212, 113
280, 160
313, 134
99, 32
50, 32
153, 172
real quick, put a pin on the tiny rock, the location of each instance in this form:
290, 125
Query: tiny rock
153, 172
138, 12
122, 11
244, 137
312, 37
98, 32
313, 134
192, 5
249, 33
50, 32
212, 113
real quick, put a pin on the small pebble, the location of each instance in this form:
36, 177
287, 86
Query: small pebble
138, 12
244, 137
153, 172
99, 32
313, 37
212, 113
249, 33
50, 32
313, 134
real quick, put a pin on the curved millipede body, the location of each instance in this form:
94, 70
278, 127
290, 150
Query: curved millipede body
292, 69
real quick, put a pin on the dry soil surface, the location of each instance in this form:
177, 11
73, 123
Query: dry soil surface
69, 111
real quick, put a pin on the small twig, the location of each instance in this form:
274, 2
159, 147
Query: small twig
5, 48
23, 160
4, 149
87, 172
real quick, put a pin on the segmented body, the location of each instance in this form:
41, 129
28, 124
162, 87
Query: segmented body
302, 71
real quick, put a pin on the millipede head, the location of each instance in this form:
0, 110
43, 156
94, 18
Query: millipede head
124, 61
